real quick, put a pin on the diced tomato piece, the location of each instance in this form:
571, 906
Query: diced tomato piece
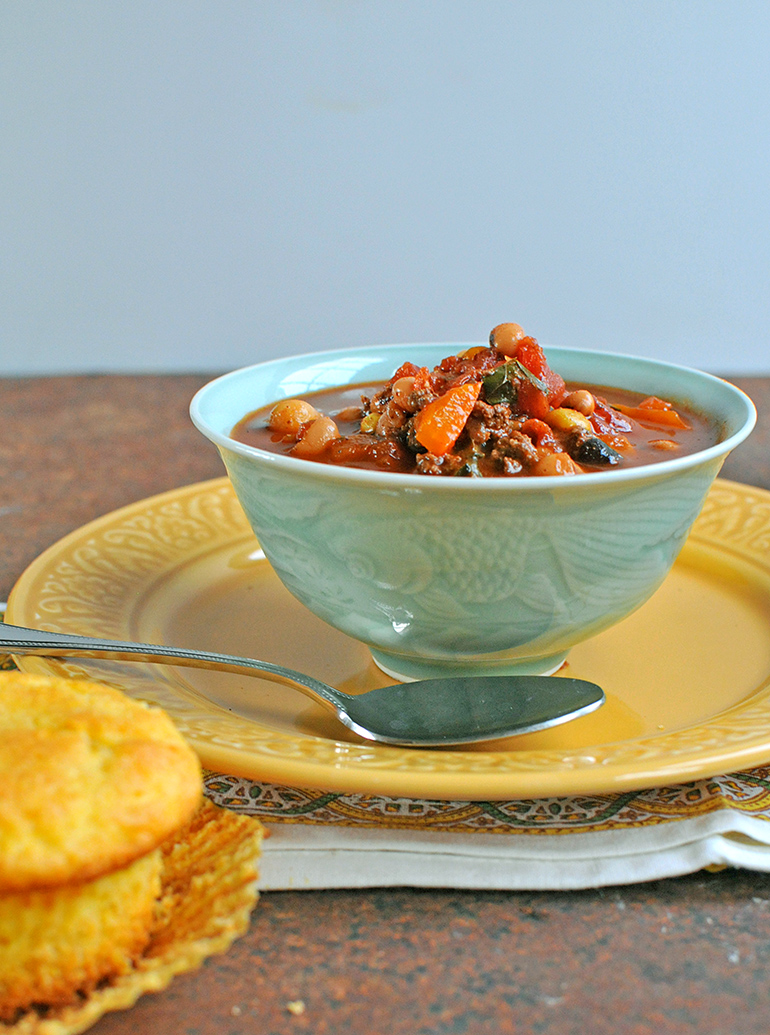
605, 419
538, 431
531, 401
531, 356
557, 390
536, 403
406, 370
422, 381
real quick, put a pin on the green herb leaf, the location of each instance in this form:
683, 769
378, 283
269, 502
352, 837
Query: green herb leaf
500, 386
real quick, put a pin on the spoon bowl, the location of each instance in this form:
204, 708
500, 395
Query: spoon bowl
425, 713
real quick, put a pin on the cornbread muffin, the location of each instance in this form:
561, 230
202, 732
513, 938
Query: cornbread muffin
91, 784
57, 942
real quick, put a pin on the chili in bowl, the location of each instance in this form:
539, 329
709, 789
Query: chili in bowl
472, 508
495, 411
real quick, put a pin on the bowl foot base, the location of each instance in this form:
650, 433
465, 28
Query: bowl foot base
405, 669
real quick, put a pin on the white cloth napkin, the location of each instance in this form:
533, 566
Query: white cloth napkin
323, 839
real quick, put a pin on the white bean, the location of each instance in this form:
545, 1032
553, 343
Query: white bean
402, 391
288, 416
316, 438
555, 463
506, 337
582, 401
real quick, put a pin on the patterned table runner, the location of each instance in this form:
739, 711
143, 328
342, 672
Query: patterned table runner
322, 839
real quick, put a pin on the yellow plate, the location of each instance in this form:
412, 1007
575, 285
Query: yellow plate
687, 676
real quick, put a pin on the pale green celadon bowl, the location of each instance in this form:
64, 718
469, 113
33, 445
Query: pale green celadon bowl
467, 575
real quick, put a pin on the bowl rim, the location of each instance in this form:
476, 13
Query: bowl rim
396, 480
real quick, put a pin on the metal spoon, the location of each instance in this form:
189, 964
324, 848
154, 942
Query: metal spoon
426, 713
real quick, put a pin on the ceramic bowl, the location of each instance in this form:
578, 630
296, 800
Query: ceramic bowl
466, 575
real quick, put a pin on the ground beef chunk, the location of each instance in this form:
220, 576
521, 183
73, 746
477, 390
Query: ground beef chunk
575, 440
518, 447
511, 467
409, 438
392, 420
448, 464
488, 423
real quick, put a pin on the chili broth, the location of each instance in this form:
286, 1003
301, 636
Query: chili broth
496, 411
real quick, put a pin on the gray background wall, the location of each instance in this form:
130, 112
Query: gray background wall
201, 184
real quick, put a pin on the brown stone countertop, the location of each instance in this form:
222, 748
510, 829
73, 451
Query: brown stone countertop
684, 955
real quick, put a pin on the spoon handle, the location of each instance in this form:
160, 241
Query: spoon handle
19, 640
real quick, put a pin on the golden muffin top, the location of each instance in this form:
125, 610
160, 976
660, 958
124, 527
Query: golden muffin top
90, 780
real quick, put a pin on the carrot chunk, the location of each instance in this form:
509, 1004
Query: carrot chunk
667, 417
652, 402
438, 425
